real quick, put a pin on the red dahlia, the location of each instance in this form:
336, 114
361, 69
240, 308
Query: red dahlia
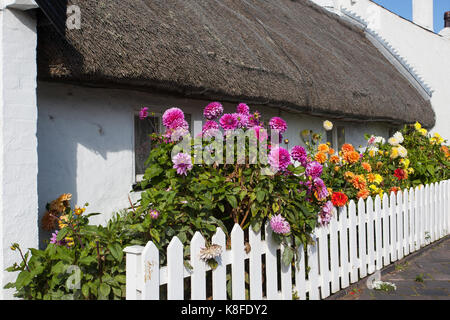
339, 199
400, 174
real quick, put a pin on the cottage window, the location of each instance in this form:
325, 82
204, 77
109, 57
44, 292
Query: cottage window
142, 143
340, 136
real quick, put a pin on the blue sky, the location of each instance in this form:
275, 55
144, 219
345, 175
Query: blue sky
404, 8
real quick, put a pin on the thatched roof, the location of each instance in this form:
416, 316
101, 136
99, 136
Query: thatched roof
284, 53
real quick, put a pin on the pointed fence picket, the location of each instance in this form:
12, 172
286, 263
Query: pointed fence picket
359, 240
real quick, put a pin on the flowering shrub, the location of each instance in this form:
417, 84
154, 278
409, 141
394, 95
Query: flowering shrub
294, 191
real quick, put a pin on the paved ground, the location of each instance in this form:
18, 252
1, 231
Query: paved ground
422, 277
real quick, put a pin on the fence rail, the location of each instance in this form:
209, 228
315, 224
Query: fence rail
361, 239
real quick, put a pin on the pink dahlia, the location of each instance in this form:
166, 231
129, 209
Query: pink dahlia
279, 158
314, 169
279, 225
276, 123
210, 124
243, 108
229, 121
326, 213
173, 118
213, 111
143, 113
182, 162
242, 120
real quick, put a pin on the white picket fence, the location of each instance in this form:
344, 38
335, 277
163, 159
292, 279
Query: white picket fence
358, 241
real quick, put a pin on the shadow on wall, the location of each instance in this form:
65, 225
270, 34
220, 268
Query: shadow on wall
84, 147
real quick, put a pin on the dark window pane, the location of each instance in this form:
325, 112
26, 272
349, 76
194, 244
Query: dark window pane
142, 142
341, 136
330, 138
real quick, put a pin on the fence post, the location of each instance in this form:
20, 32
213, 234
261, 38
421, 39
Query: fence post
237, 267
219, 275
362, 238
354, 262
343, 222
370, 236
378, 235
175, 270
198, 275
150, 272
133, 257
271, 266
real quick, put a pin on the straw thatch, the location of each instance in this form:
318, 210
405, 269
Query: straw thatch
283, 53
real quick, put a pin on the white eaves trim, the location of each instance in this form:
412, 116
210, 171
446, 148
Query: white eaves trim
393, 52
18, 4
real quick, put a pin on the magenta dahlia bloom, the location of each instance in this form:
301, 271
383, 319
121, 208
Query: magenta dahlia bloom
326, 213
279, 158
213, 111
229, 121
276, 123
54, 240
243, 108
210, 124
173, 118
279, 225
261, 133
242, 120
253, 119
143, 113
320, 188
154, 214
314, 169
298, 153
182, 162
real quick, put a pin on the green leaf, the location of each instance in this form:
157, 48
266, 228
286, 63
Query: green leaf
260, 195
232, 201
24, 278
116, 251
62, 233
104, 291
288, 256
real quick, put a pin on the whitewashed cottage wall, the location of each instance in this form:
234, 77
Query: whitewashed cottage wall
18, 143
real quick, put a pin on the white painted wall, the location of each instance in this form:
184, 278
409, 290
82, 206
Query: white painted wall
86, 141
18, 142
426, 51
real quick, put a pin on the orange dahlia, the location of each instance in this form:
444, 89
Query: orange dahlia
366, 166
363, 193
359, 182
320, 157
351, 156
334, 159
323, 148
347, 147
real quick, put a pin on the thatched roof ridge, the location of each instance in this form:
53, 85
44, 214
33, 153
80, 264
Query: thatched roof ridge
284, 53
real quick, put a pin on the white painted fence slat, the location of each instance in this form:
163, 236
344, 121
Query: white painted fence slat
386, 230
399, 212
198, 274
380, 232
334, 252
362, 238
271, 266
219, 274
370, 237
405, 222
343, 227
323, 259
313, 274
255, 265
175, 270
150, 272
393, 226
237, 267
354, 262
432, 211
286, 279
300, 276
418, 217
378, 236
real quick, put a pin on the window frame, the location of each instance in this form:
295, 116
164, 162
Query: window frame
136, 178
